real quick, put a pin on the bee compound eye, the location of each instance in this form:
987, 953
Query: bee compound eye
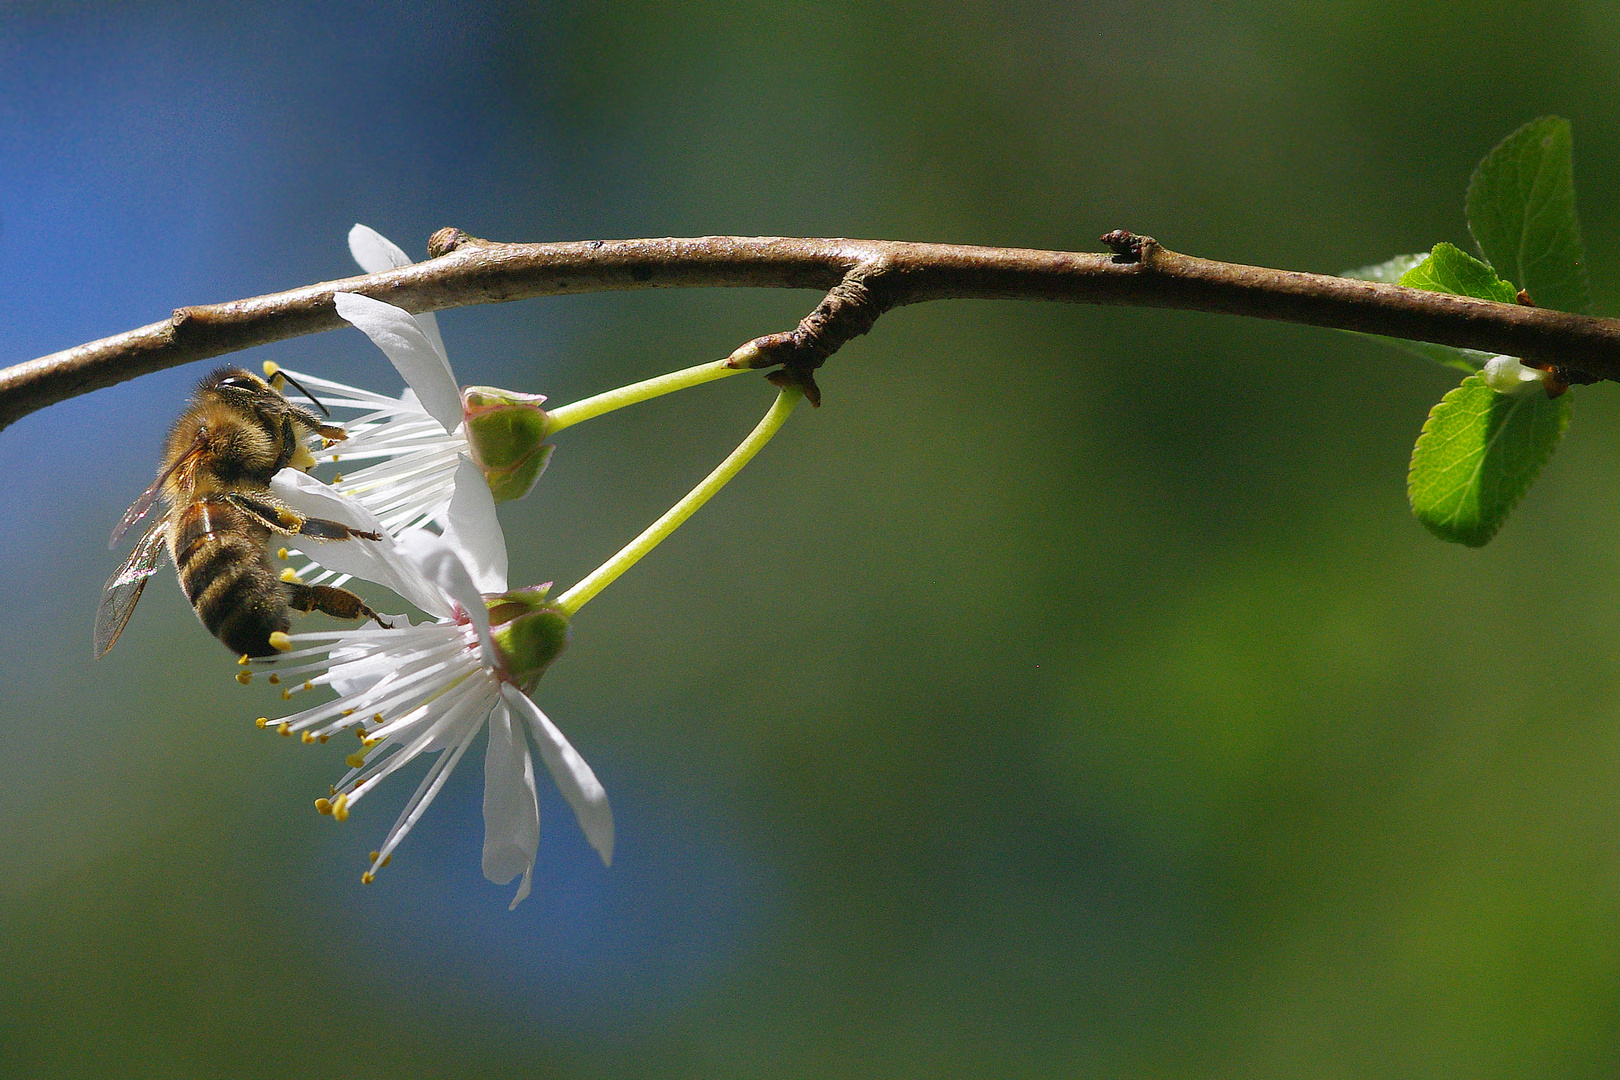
243, 382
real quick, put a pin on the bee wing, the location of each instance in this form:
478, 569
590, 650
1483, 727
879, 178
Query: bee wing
137, 510
143, 505
124, 588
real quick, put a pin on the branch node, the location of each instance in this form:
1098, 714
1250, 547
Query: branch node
848, 310
1568, 376
769, 350
1128, 247
450, 239
801, 378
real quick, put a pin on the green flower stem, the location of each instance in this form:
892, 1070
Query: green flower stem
585, 408
604, 575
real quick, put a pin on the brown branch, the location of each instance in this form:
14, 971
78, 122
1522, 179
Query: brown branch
862, 279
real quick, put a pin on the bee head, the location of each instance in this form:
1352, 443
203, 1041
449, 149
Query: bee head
241, 388
245, 390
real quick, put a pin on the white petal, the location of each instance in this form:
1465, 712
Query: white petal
424, 795
511, 811
380, 561
473, 530
376, 253
570, 773
438, 562
421, 362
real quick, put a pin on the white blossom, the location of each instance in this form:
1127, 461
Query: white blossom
409, 446
429, 688
414, 441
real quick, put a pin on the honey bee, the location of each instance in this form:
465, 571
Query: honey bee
235, 434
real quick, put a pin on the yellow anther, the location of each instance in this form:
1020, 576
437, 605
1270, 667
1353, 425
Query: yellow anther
337, 478
323, 738
360, 732
263, 722
334, 456
346, 712
376, 718
323, 806
244, 677
386, 861
245, 660
290, 575
308, 685
286, 695
374, 856
281, 553
367, 878
279, 641
289, 519
308, 736
340, 808
271, 369
354, 761
369, 742
285, 728
273, 679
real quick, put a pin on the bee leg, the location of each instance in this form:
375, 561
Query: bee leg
278, 518
322, 529
339, 603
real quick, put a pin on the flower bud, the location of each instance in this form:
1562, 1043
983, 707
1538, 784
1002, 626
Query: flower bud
1506, 375
506, 433
529, 633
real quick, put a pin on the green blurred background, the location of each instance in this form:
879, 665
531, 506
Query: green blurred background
1071, 695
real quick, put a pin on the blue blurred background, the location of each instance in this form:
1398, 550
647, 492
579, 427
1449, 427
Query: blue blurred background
1071, 695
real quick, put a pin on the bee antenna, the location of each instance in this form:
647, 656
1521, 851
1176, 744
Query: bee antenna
324, 410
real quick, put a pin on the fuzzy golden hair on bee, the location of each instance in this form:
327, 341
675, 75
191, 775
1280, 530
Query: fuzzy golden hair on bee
236, 432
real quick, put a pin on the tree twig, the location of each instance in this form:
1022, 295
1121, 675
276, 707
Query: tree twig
862, 280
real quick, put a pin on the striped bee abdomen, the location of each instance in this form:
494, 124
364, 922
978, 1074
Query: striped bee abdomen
225, 572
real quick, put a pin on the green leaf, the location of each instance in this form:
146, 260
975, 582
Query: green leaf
1393, 272
1450, 269
1477, 456
1469, 360
1390, 271
1521, 212
1480, 450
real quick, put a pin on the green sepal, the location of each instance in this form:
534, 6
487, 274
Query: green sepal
506, 432
1521, 212
1478, 454
529, 632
